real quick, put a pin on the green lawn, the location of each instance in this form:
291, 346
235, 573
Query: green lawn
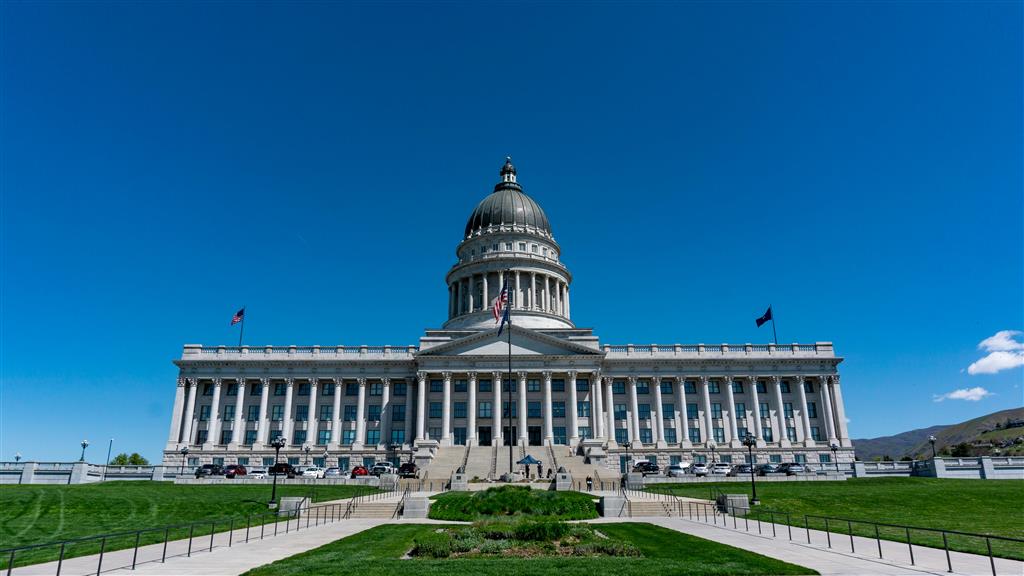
977, 506
379, 551
36, 514
513, 501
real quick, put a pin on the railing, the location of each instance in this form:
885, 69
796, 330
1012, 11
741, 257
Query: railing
400, 508
697, 350
326, 351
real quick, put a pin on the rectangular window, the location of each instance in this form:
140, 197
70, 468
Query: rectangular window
645, 411
229, 412
483, 386
280, 388
323, 437
784, 387
533, 409
713, 388
254, 389
645, 436
398, 436
435, 410
250, 437
742, 432
485, 410
559, 432
816, 433
558, 409
809, 387
461, 386
275, 434
700, 459
377, 389
351, 389
225, 436
350, 413
232, 389
374, 415
716, 410
800, 458
373, 437
508, 246
268, 461
277, 413
583, 409
585, 432
787, 409
775, 458
437, 385
300, 437
668, 411
558, 385
207, 389
398, 413
618, 387
533, 385
791, 434
694, 434
719, 435
666, 386
670, 435
460, 410
621, 435
327, 389
620, 411
218, 460
434, 433
400, 388
204, 413
812, 410
762, 387
459, 436
301, 412
643, 387
304, 389
505, 410
690, 387
522, 246
510, 386
582, 385
691, 411
726, 458
741, 410
764, 411
737, 387
767, 433
326, 412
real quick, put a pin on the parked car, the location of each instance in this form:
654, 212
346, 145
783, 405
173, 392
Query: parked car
333, 472
209, 470
722, 468
232, 470
257, 473
677, 470
359, 471
282, 469
408, 470
382, 468
647, 468
700, 469
792, 468
740, 470
769, 468
313, 472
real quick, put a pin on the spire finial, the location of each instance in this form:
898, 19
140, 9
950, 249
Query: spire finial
508, 171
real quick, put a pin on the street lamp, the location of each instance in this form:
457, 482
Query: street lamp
277, 443
306, 448
627, 446
931, 440
712, 446
85, 444
750, 442
184, 456
835, 448
325, 457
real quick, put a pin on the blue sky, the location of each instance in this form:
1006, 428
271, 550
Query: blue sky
856, 165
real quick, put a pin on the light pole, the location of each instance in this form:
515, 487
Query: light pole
277, 443
184, 456
627, 446
835, 448
85, 444
712, 446
109, 446
306, 448
931, 440
325, 457
750, 442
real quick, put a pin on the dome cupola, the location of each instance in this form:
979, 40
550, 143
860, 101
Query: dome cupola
508, 208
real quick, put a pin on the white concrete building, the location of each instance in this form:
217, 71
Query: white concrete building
592, 402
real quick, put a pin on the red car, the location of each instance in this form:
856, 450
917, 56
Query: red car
360, 471
234, 470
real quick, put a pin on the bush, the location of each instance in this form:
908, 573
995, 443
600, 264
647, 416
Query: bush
513, 501
541, 531
433, 545
495, 546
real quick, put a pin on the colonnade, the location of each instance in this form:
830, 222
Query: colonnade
535, 291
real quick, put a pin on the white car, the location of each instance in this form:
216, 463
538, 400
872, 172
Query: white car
677, 470
722, 468
257, 473
382, 468
313, 472
700, 469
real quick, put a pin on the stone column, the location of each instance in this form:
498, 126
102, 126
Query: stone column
312, 418
263, 420
808, 441
496, 385
547, 294
566, 300
609, 401
709, 424
635, 411
657, 415
360, 415
533, 290
288, 424
524, 436
826, 404
549, 433
446, 408
336, 414
213, 430
239, 425
574, 430
757, 412
730, 401
780, 413
385, 413
470, 293
517, 302
174, 436
190, 406
451, 300
410, 410
485, 302
681, 418
597, 418
837, 397
471, 414
421, 405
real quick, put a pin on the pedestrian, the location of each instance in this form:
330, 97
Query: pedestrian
590, 484
549, 473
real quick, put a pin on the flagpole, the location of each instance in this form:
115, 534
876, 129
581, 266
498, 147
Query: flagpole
508, 387
241, 330
774, 334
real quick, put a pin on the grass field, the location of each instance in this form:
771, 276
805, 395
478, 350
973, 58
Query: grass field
513, 501
379, 551
977, 506
36, 514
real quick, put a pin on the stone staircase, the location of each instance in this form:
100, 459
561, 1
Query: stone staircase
374, 510
446, 462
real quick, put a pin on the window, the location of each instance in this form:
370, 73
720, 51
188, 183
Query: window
742, 432
618, 387
300, 437
459, 436
328, 389
762, 387
775, 458
694, 434
326, 413
373, 437
374, 414
268, 461
621, 435
232, 389
719, 435
522, 246
533, 248
691, 411
741, 410
800, 458
508, 246
809, 387
645, 411
461, 386
225, 436
229, 412
764, 411
559, 432
645, 436
668, 411
767, 435
585, 433
483, 386
791, 434
558, 385
323, 437
505, 413
276, 413
666, 387
302, 412
784, 387
398, 436
583, 409
254, 389
207, 389
485, 410
737, 387
483, 249
320, 461
460, 409
620, 411
510, 385
250, 437
812, 410
690, 387
700, 459
275, 434
377, 389
437, 385
643, 387
218, 460
558, 409
304, 389
398, 413
533, 385
816, 433
713, 388
435, 410
350, 413
351, 389
533, 409
787, 409
400, 388
582, 385
716, 410
726, 458
434, 433
670, 435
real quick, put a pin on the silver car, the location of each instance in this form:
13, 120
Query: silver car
700, 469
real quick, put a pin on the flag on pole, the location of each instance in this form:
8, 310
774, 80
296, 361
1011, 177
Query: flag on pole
767, 316
238, 317
501, 306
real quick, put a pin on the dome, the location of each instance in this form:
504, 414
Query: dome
508, 205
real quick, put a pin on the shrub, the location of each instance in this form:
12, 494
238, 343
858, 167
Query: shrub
495, 546
513, 501
541, 531
433, 545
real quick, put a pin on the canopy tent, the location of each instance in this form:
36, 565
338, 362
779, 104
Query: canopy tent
528, 460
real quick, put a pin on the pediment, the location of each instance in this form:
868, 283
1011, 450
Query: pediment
525, 342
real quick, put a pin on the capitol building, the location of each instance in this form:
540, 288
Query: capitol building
452, 400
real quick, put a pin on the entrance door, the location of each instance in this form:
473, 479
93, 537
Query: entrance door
484, 433
513, 435
534, 433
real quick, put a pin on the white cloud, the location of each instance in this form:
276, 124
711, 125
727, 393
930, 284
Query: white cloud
969, 394
1004, 352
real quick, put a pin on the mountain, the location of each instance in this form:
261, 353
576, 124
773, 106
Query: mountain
914, 443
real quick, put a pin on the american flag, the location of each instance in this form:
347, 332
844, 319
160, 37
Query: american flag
501, 301
238, 317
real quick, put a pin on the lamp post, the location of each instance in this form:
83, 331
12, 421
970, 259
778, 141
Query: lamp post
750, 442
627, 446
277, 443
184, 456
325, 457
306, 448
835, 448
85, 444
931, 440
712, 446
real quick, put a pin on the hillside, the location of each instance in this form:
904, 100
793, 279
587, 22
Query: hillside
914, 443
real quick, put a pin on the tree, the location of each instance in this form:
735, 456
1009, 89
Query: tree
906, 459
124, 459
962, 449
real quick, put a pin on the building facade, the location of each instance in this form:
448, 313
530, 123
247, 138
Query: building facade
343, 405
